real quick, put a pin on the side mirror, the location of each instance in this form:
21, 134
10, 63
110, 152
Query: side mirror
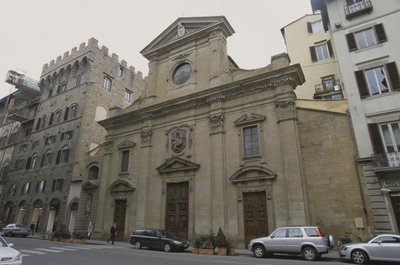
272, 236
379, 242
10, 245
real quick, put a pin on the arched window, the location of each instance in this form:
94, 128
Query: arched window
43, 121
58, 116
62, 155
93, 173
107, 83
66, 113
73, 111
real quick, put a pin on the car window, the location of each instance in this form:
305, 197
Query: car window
2, 243
169, 235
295, 232
313, 232
279, 233
388, 239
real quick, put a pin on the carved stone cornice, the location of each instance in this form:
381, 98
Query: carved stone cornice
290, 75
286, 110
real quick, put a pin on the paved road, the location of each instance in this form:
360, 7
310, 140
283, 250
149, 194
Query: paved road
43, 252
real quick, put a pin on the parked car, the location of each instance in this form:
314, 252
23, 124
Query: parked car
8, 255
157, 239
16, 230
308, 241
385, 247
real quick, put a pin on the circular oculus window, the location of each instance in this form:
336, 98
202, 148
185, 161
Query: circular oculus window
182, 73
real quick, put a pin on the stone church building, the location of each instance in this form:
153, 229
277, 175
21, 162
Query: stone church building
210, 145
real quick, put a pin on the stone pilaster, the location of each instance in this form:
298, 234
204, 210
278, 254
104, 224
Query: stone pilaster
292, 165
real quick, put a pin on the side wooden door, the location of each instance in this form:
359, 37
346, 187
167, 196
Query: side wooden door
119, 218
255, 215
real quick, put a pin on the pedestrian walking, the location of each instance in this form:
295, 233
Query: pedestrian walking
32, 227
113, 232
90, 230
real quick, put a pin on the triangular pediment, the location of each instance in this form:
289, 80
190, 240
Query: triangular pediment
252, 173
122, 185
249, 118
186, 29
126, 144
90, 184
177, 164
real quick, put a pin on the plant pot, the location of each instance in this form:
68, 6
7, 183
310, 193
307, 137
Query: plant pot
195, 251
222, 251
206, 251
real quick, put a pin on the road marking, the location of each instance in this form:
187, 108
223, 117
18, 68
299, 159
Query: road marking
49, 250
32, 251
67, 249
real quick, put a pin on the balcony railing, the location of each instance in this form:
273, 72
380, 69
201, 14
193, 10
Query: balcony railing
358, 8
388, 159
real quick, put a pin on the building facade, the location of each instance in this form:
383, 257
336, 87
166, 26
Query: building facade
209, 145
310, 46
365, 33
17, 113
47, 169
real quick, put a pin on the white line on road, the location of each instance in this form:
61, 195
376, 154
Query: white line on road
49, 250
67, 249
32, 251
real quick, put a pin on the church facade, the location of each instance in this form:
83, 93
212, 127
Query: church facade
209, 145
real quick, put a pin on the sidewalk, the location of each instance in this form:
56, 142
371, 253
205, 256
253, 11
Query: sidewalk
332, 255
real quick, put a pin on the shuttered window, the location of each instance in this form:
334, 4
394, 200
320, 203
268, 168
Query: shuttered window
366, 37
321, 52
378, 80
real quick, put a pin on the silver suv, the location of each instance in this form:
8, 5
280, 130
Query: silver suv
306, 240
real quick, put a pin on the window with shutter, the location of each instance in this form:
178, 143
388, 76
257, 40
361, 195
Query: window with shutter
361, 84
380, 33
393, 75
351, 42
376, 139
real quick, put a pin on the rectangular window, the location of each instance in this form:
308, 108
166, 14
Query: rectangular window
250, 141
107, 83
128, 95
57, 185
391, 136
366, 37
378, 80
316, 26
321, 51
78, 80
125, 161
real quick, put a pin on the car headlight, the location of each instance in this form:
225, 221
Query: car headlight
343, 248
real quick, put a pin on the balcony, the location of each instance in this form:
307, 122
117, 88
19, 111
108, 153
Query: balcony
329, 90
387, 161
21, 115
358, 8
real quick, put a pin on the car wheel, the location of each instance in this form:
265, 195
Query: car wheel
359, 257
259, 251
167, 247
138, 245
309, 253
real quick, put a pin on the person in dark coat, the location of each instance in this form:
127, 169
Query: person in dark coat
113, 232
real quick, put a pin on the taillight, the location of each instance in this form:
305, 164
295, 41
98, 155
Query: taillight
319, 232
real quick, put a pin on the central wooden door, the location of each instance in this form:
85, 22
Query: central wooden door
177, 209
119, 218
255, 215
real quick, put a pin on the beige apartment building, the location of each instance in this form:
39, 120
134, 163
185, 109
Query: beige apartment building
209, 145
309, 45
365, 33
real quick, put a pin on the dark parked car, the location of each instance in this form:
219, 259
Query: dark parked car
157, 239
16, 230
308, 241
385, 247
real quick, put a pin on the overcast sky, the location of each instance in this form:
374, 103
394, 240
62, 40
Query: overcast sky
34, 32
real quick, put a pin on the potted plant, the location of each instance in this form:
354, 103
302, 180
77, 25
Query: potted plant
221, 242
203, 244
